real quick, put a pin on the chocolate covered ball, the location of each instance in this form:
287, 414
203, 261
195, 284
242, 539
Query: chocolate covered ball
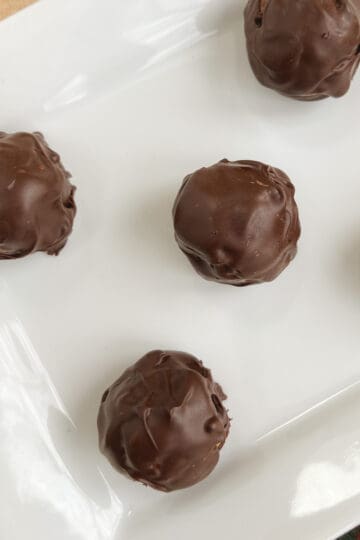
237, 222
304, 49
37, 205
162, 422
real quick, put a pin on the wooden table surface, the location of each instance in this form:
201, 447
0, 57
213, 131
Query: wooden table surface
8, 7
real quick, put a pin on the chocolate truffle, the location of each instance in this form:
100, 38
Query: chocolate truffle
304, 49
162, 422
37, 206
237, 222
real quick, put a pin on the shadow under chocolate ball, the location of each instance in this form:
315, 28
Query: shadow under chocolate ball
237, 222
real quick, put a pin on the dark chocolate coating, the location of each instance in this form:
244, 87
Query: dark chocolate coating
162, 422
237, 222
304, 49
37, 205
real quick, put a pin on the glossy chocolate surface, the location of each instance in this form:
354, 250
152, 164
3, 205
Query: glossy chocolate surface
162, 422
237, 222
305, 49
37, 205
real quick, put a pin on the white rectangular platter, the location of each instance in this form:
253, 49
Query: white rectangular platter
134, 95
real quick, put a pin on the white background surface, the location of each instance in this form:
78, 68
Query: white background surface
131, 110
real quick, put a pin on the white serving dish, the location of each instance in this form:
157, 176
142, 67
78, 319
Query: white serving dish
134, 95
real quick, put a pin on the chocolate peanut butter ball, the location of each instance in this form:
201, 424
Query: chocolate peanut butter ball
304, 49
237, 222
162, 422
37, 205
